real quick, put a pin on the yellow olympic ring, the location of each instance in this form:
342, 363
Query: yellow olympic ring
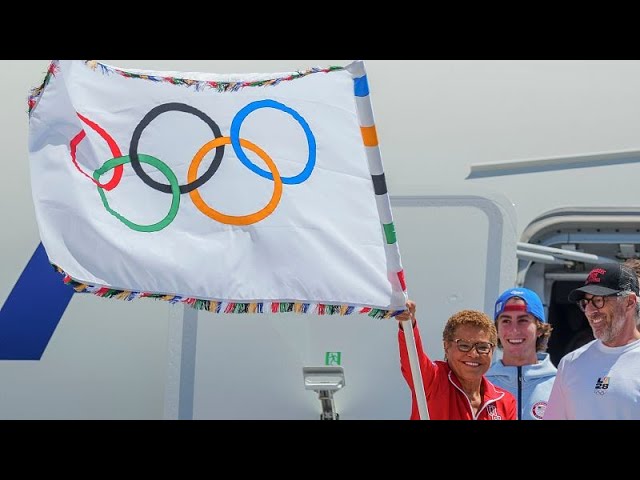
233, 219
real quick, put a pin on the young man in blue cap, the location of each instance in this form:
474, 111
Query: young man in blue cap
525, 368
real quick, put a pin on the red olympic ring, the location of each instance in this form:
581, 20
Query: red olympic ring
113, 146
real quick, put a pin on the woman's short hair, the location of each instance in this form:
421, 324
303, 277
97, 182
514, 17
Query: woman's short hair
473, 318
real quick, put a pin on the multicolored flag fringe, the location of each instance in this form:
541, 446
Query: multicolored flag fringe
237, 193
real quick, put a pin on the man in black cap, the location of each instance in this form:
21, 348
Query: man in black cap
601, 380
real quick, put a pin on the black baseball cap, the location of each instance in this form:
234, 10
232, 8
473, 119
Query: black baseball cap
607, 279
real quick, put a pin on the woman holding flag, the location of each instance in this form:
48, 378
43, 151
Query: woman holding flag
457, 389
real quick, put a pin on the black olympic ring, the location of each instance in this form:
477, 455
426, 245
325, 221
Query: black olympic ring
137, 133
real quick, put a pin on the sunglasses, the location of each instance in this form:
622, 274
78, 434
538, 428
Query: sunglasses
482, 348
597, 301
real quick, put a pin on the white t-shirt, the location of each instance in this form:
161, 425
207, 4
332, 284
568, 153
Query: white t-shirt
596, 382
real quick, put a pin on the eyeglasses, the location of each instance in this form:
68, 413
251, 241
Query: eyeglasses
482, 348
597, 301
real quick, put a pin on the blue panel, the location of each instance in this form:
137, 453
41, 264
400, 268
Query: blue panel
33, 309
361, 86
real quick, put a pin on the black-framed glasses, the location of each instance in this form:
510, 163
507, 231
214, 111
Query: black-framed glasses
597, 301
481, 347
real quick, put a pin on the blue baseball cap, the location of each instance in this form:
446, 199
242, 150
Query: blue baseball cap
531, 298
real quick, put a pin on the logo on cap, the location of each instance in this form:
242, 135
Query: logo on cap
594, 275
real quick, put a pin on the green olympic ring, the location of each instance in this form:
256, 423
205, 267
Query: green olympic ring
166, 171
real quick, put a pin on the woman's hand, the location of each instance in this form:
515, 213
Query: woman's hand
410, 313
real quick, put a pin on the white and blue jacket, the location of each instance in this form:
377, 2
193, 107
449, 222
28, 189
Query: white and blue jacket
530, 384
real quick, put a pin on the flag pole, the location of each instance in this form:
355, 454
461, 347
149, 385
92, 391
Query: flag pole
374, 158
418, 386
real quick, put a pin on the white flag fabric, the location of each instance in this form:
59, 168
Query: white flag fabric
241, 193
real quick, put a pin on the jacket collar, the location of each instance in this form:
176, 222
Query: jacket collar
490, 393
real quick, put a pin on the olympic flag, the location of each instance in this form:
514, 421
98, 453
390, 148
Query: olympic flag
257, 193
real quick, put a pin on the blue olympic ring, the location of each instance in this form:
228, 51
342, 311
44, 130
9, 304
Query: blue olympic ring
234, 134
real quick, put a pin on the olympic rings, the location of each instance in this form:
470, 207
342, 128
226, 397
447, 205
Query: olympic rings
194, 182
235, 140
160, 165
167, 107
113, 146
232, 219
